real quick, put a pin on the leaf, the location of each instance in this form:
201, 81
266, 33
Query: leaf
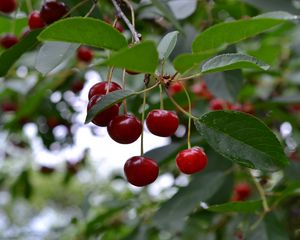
142, 57
182, 9
167, 44
167, 12
107, 101
243, 207
186, 61
230, 61
172, 213
6, 23
51, 54
274, 5
243, 139
88, 31
220, 35
11, 55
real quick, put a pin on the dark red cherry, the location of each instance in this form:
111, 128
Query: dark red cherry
175, 87
8, 6
242, 191
162, 123
141, 171
84, 54
191, 160
218, 104
35, 21
101, 88
52, 11
102, 119
7, 106
8, 40
125, 129
77, 86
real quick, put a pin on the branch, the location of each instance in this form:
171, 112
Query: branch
134, 33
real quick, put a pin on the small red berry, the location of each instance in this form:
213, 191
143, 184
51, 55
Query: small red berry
248, 108
101, 88
242, 191
162, 123
235, 107
7, 106
191, 160
175, 87
77, 86
84, 54
218, 104
8, 6
141, 171
200, 89
35, 21
125, 129
102, 119
8, 40
52, 11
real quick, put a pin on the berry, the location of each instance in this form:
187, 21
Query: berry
162, 123
141, 171
35, 21
52, 11
8, 40
7, 106
77, 86
242, 191
200, 89
218, 104
175, 88
102, 119
191, 160
101, 88
8, 6
84, 54
125, 129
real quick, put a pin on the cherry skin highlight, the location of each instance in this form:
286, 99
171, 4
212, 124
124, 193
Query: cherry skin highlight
102, 119
8, 40
35, 21
8, 6
191, 160
84, 54
52, 11
101, 88
141, 171
125, 129
162, 123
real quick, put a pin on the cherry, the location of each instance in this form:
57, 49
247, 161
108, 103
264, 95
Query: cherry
200, 89
162, 123
102, 119
52, 11
141, 171
248, 108
175, 87
35, 21
218, 104
84, 54
101, 88
125, 129
8, 40
191, 160
77, 86
7, 106
242, 191
118, 25
8, 6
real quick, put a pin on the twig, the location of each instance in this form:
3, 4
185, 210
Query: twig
134, 33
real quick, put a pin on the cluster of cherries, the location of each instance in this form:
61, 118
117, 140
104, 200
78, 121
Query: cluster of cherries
127, 128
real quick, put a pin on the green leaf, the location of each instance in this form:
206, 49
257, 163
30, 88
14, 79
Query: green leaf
230, 61
11, 55
107, 101
172, 213
142, 57
51, 54
220, 35
88, 31
186, 61
166, 45
243, 207
19, 24
243, 139
167, 12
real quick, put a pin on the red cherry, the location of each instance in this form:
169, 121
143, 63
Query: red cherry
141, 171
200, 89
235, 107
248, 108
175, 87
77, 86
101, 88
162, 123
125, 129
52, 11
218, 104
8, 40
35, 21
7, 106
84, 54
191, 160
102, 119
8, 6
242, 191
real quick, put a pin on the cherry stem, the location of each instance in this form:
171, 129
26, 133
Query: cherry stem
75, 7
261, 193
131, 11
143, 119
120, 13
29, 6
148, 89
190, 113
92, 8
109, 78
189, 77
124, 85
161, 97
